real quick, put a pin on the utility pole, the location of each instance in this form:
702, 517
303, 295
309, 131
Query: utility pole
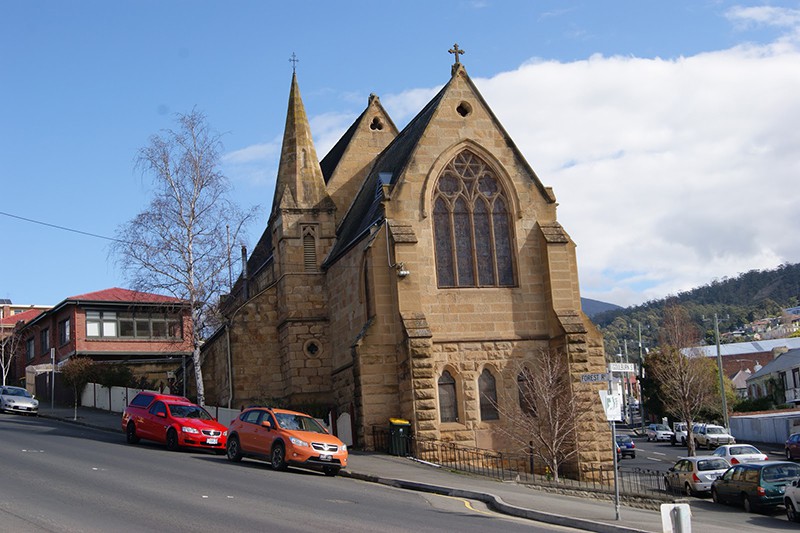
641, 376
721, 375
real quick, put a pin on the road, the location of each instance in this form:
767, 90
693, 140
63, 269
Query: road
62, 478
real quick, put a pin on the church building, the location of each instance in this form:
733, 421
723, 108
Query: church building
410, 274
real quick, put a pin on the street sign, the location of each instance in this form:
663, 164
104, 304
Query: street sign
612, 405
621, 367
593, 378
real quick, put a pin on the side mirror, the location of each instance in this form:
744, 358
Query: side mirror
672, 469
161, 415
266, 424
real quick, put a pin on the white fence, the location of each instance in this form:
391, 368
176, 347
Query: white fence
116, 399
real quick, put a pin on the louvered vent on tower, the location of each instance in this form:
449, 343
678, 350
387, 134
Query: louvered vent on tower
309, 250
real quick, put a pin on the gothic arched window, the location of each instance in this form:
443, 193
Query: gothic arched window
487, 387
472, 226
448, 408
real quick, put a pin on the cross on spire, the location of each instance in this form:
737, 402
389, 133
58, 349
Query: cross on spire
294, 61
456, 51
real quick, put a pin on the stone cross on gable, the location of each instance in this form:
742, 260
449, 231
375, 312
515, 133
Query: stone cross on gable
294, 61
456, 51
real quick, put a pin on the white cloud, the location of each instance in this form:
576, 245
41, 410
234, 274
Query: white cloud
669, 173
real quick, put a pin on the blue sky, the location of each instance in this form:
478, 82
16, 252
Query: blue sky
668, 130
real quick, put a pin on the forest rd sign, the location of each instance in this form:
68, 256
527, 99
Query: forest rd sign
593, 378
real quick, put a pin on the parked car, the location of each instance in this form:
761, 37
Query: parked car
18, 400
656, 432
626, 447
755, 485
711, 436
679, 433
285, 438
793, 446
174, 421
694, 475
740, 453
791, 500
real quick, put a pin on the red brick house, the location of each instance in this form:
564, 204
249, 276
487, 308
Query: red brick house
150, 333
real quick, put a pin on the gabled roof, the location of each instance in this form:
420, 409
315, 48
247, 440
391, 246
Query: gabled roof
366, 209
784, 362
115, 294
26, 316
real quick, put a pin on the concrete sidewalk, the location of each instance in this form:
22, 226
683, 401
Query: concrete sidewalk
504, 497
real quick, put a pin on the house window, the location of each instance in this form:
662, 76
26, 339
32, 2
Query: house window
44, 341
448, 408
526, 397
129, 325
488, 393
63, 332
796, 377
29, 344
472, 226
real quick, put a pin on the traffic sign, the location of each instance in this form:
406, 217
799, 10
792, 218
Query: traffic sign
621, 367
593, 378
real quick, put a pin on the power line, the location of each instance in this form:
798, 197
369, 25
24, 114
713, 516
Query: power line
60, 227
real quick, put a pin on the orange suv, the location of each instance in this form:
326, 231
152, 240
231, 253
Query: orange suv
172, 420
285, 438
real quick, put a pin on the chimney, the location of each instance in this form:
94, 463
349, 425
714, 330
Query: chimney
778, 350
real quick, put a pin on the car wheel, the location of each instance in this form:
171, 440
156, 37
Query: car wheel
714, 496
791, 512
278, 458
130, 434
748, 505
789, 454
331, 471
688, 489
683, 441
633, 455
172, 440
234, 450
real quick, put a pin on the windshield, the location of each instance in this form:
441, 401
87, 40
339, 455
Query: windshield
742, 450
660, 427
189, 411
783, 472
17, 392
715, 431
712, 464
623, 439
299, 422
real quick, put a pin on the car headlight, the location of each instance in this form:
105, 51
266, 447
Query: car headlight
344, 447
187, 429
298, 442
224, 433
36, 403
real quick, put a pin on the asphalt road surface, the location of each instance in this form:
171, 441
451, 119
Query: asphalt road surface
63, 478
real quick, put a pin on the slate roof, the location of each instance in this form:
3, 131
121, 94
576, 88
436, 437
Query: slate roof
784, 362
332, 158
366, 209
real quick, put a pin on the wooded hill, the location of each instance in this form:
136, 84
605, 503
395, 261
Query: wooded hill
736, 301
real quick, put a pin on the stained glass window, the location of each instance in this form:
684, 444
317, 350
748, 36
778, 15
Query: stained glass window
472, 226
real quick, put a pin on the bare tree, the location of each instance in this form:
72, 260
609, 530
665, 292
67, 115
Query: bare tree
547, 413
10, 343
687, 383
77, 372
182, 242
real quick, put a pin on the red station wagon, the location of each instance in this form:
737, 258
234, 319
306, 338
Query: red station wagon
174, 421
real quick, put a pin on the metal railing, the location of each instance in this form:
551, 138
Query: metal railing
520, 467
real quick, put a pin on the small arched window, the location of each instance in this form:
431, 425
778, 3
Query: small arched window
448, 407
487, 387
472, 226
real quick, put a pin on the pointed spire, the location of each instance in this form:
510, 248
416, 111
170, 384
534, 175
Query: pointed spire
299, 183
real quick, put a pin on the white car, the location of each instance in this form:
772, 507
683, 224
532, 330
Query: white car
711, 436
694, 475
18, 400
680, 432
659, 432
791, 500
740, 453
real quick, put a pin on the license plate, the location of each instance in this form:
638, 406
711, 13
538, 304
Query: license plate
325, 457
212, 441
